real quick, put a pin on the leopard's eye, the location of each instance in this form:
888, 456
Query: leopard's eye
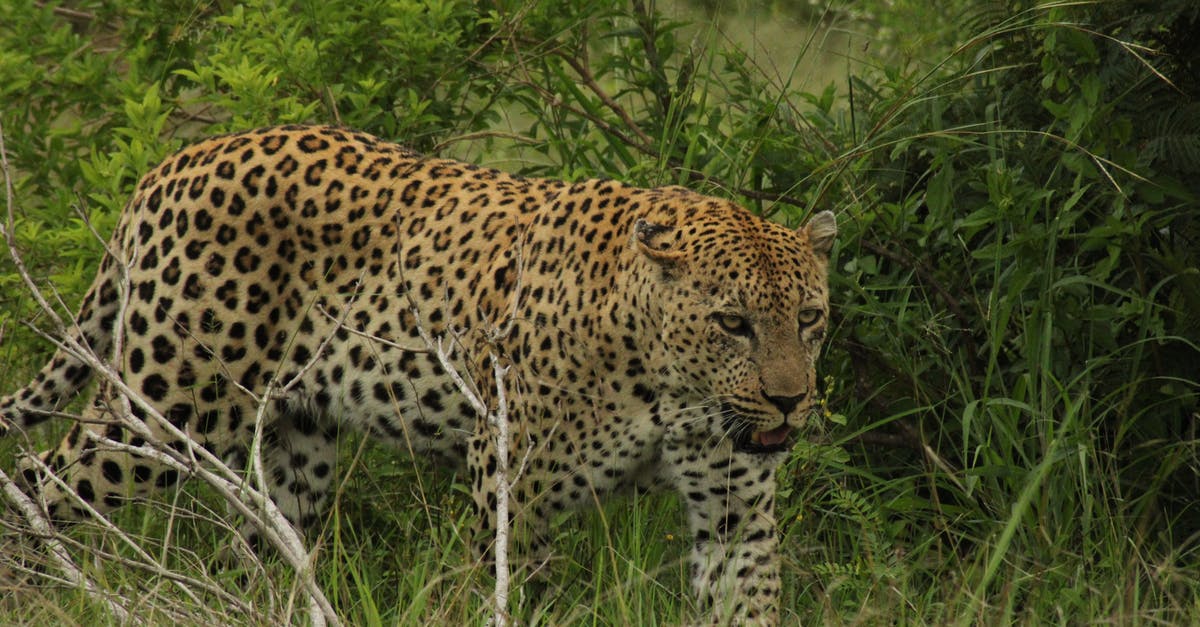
734, 324
808, 317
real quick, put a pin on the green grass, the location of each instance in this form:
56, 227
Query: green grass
391, 553
858, 548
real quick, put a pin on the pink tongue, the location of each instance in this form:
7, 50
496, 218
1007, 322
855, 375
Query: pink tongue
775, 436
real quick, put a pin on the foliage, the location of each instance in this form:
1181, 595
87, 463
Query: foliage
1015, 288
1022, 294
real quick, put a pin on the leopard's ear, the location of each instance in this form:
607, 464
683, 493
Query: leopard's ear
654, 241
821, 230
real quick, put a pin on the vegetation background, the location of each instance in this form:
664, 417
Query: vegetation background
1014, 370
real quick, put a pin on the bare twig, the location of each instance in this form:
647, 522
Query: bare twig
255, 504
341, 324
499, 421
585, 74
496, 420
147, 562
257, 507
466, 137
72, 15
58, 554
648, 25
316, 356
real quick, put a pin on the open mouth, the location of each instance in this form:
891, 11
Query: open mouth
763, 442
747, 440
775, 437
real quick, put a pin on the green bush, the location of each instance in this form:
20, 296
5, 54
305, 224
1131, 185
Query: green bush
1017, 294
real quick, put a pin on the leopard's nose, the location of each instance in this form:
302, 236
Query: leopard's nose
785, 404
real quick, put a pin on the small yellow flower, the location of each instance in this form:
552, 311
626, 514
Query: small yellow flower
670, 537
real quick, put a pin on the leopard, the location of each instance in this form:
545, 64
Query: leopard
290, 282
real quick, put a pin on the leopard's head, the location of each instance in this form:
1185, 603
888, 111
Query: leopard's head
744, 307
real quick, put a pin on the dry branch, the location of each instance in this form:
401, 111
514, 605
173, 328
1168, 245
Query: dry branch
60, 557
496, 420
194, 461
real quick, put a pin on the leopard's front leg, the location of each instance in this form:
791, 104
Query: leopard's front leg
734, 562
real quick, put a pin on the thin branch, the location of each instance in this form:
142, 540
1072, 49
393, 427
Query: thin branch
555, 100
368, 336
585, 74
148, 562
926, 278
477, 135
72, 15
194, 460
316, 356
499, 421
58, 554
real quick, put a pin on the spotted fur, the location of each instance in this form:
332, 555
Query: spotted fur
655, 337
